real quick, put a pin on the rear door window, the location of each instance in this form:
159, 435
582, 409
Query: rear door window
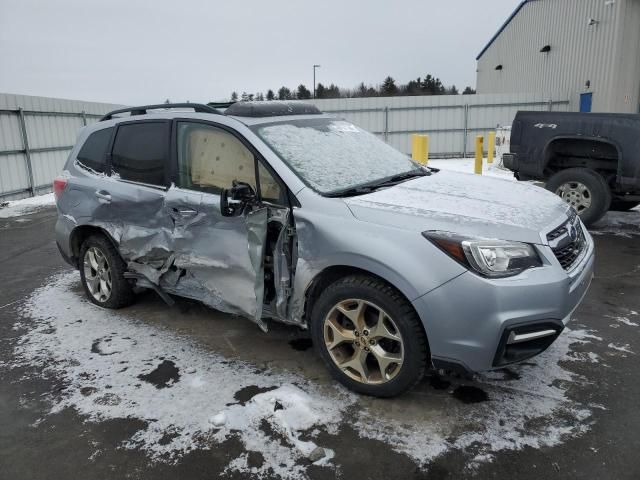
141, 151
93, 153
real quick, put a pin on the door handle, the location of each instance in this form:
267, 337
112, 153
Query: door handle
103, 196
184, 212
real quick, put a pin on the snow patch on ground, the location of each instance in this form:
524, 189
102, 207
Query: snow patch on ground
625, 321
622, 224
115, 366
466, 165
122, 368
527, 407
26, 206
621, 348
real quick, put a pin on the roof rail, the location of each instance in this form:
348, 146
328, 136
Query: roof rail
220, 104
141, 110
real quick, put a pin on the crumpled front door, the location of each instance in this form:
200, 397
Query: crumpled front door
217, 259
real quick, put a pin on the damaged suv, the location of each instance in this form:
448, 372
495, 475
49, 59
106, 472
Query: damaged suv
274, 210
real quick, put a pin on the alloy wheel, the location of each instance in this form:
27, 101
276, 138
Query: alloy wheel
97, 274
363, 341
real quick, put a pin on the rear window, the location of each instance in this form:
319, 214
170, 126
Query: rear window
93, 153
140, 152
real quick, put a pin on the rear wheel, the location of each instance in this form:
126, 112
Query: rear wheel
585, 190
369, 336
102, 274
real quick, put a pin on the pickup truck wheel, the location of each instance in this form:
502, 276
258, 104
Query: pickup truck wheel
585, 190
369, 336
102, 274
622, 205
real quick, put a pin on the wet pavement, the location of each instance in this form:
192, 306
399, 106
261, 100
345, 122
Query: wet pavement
158, 392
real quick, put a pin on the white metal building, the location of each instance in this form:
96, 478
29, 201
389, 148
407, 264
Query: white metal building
586, 49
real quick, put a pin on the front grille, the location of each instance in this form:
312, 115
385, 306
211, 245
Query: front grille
558, 232
566, 250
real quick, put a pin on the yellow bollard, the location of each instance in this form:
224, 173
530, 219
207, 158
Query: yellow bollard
477, 169
420, 148
426, 149
491, 147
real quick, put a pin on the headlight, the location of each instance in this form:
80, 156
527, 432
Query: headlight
490, 258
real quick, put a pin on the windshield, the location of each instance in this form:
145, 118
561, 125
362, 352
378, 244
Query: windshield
331, 155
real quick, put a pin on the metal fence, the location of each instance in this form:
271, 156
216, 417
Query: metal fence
451, 121
36, 135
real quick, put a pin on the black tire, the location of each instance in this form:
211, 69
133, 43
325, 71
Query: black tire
622, 205
121, 290
599, 191
392, 302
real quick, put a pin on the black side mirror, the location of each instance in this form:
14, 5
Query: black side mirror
234, 200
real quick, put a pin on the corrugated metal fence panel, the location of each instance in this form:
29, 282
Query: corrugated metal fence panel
13, 175
52, 125
10, 137
447, 119
52, 131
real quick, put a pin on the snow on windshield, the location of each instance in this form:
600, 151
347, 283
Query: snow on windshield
331, 155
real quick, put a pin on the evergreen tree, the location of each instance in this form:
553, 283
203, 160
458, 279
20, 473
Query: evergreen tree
284, 93
414, 87
333, 91
250, 97
303, 92
259, 97
389, 87
244, 97
468, 91
270, 95
321, 91
432, 86
234, 96
453, 90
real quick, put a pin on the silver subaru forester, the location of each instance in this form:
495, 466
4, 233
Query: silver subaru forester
273, 210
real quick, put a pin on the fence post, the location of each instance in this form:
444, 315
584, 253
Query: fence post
491, 147
550, 105
466, 130
27, 151
386, 124
84, 118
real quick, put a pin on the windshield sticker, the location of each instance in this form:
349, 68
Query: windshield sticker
343, 127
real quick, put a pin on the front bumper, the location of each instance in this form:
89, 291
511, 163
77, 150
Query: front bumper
475, 323
510, 161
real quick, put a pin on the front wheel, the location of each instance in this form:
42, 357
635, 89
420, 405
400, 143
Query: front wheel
369, 336
585, 190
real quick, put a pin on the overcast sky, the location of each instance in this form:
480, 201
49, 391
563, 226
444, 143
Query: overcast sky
134, 52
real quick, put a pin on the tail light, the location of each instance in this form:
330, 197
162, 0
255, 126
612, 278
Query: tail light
59, 184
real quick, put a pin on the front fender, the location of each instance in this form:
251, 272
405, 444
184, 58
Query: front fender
405, 259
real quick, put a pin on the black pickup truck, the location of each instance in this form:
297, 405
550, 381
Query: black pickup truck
591, 160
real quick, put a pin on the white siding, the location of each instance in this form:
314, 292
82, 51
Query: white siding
605, 54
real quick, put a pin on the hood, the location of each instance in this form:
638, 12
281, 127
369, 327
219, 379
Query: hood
467, 204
